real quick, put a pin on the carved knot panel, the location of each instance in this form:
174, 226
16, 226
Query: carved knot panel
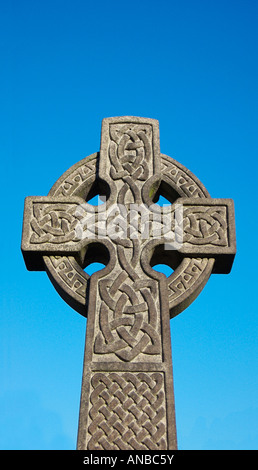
127, 411
128, 325
53, 223
130, 151
206, 225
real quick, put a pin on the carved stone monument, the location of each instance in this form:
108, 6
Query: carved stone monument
127, 399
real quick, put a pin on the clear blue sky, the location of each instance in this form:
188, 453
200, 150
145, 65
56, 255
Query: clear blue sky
65, 65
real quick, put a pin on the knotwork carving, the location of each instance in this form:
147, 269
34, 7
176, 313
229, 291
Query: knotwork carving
205, 225
130, 151
129, 301
54, 223
80, 176
127, 411
128, 319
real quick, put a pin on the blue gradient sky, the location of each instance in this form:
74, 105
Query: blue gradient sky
65, 66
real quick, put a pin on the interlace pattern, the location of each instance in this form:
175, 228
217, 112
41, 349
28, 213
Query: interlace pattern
127, 411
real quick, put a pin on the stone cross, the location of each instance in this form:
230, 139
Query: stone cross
127, 398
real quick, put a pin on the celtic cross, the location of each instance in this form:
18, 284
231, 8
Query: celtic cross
127, 399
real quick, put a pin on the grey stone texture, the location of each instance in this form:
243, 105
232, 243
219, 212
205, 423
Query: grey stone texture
127, 398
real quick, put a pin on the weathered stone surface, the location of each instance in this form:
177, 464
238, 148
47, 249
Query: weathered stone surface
127, 399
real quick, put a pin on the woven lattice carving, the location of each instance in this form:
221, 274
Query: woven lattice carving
127, 411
